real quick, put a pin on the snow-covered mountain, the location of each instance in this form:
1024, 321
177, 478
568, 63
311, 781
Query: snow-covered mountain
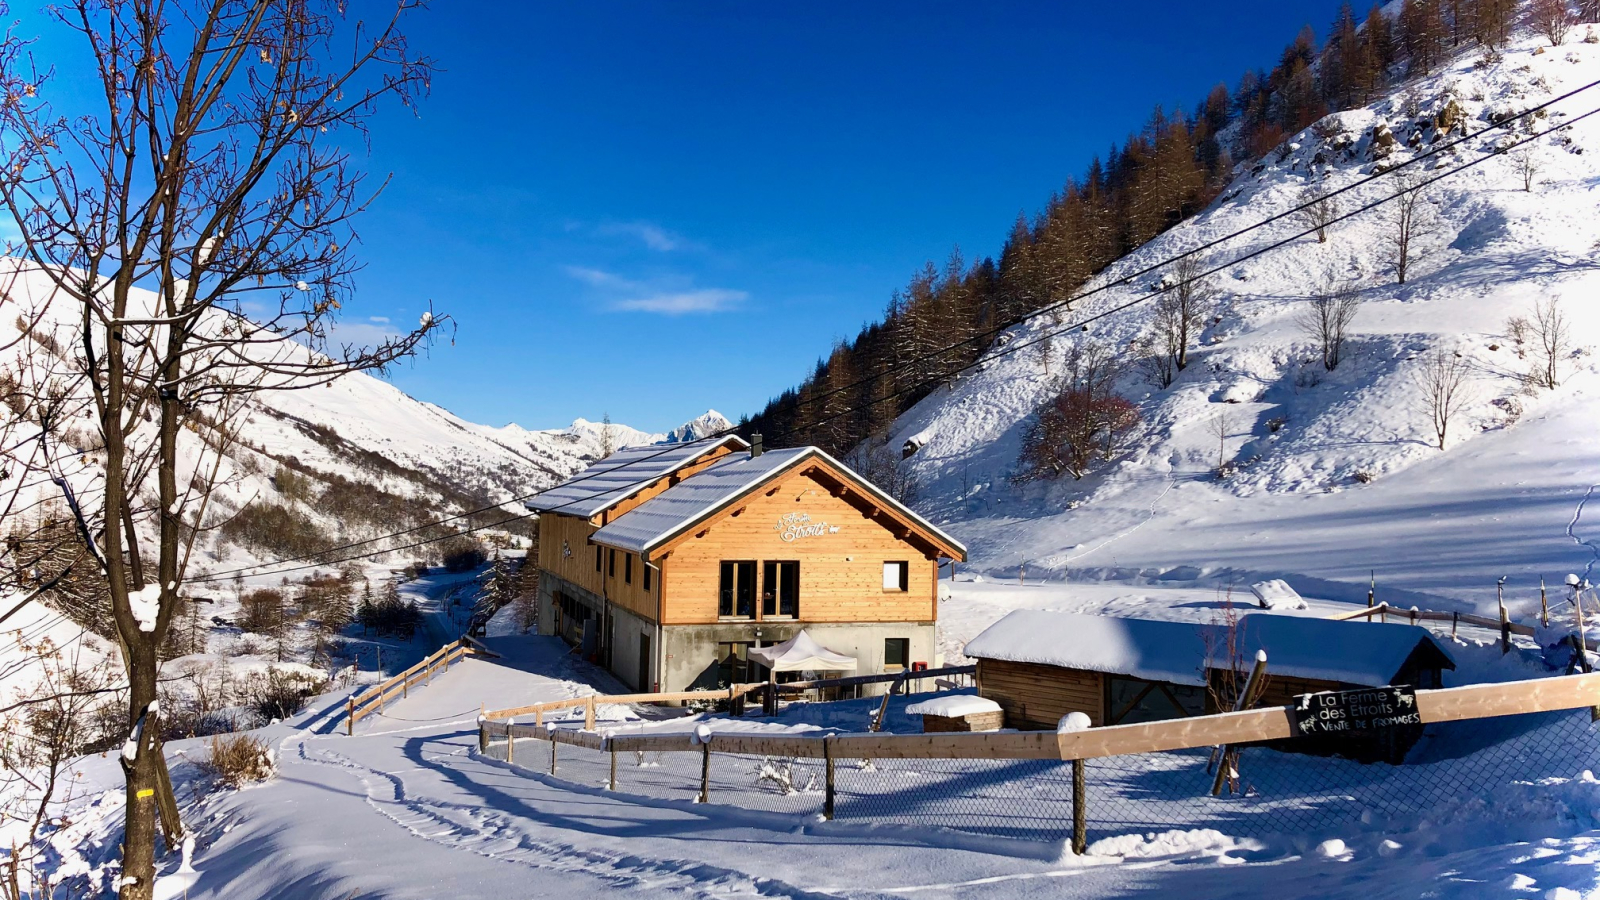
712, 422
1335, 474
343, 457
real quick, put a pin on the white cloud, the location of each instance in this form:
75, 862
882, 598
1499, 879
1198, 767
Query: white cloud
708, 300
668, 297
650, 234
367, 332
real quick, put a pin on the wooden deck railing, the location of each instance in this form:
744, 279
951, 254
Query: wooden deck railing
374, 699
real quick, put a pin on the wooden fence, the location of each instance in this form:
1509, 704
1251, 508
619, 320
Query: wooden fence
374, 699
1234, 728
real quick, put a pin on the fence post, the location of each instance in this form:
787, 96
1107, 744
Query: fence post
705, 773
350, 717
1505, 631
612, 784
588, 714
483, 737
511, 741
1080, 809
827, 761
1455, 620
552, 753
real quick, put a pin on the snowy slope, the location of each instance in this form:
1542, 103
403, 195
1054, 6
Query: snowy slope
1352, 483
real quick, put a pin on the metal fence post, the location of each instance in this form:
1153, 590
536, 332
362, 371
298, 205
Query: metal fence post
1080, 809
705, 773
552, 753
827, 761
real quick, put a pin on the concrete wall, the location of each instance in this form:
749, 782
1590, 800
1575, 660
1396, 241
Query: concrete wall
691, 661
627, 629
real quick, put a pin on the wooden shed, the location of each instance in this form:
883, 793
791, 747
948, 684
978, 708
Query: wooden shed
1039, 666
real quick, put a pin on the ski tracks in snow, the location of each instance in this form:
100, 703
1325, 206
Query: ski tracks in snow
499, 835
1577, 514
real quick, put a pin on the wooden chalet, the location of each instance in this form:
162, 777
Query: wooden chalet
668, 563
1041, 665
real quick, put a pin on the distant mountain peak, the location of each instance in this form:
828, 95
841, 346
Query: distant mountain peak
709, 423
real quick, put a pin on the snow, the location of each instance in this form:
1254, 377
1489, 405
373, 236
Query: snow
146, 606
1173, 652
1362, 653
1276, 594
953, 706
1074, 722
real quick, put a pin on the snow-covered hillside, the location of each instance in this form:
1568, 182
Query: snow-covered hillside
356, 439
1335, 474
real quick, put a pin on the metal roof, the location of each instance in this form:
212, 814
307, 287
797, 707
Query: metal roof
623, 473
720, 484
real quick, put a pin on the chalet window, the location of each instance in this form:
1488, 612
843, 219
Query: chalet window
780, 589
736, 597
646, 567
896, 576
627, 568
896, 653
611, 563
598, 553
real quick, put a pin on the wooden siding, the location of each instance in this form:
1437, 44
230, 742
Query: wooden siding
578, 568
841, 573
1036, 696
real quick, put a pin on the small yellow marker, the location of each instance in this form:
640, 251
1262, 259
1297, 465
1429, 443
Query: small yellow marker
147, 792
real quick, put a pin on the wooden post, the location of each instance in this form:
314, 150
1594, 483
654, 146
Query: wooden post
827, 762
483, 737
538, 717
552, 753
1080, 809
705, 773
350, 717
1505, 631
511, 742
1455, 620
612, 784
1544, 605
1372, 588
588, 714
1247, 698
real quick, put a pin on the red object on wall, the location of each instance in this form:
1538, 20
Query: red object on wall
919, 667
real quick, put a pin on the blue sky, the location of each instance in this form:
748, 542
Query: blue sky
651, 208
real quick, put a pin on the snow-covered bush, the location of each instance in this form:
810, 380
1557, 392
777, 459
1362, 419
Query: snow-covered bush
238, 759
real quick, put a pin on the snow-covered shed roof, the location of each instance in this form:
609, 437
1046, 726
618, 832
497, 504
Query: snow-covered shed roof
801, 653
722, 483
1173, 652
1364, 653
622, 474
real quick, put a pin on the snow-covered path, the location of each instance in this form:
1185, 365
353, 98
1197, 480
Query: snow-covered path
406, 808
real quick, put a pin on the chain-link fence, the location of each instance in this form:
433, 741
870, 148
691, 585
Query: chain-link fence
1465, 767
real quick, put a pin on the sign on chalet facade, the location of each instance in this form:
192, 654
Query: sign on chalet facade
668, 564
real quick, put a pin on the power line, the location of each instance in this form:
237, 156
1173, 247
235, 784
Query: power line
1008, 349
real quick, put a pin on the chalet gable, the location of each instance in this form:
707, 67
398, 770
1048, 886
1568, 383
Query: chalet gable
658, 525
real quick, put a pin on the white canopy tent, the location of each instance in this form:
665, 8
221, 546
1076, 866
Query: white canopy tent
801, 653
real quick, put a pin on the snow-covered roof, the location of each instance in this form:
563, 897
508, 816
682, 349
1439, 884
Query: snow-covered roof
623, 473
1363, 653
801, 653
953, 706
711, 489
1144, 648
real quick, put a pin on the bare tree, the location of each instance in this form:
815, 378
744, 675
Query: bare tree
1182, 308
1444, 381
1327, 317
1085, 422
1525, 162
1219, 428
608, 436
1553, 18
1318, 210
1552, 342
206, 175
878, 463
1412, 219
